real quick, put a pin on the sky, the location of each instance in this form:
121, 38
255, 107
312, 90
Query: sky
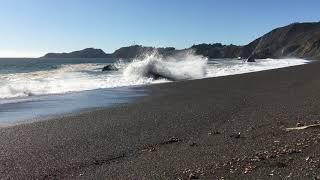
31, 28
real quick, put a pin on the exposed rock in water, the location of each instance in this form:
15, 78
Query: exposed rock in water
251, 59
109, 67
156, 75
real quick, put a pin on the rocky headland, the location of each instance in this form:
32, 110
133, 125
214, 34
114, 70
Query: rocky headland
299, 40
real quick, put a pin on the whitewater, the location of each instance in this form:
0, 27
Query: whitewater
43, 78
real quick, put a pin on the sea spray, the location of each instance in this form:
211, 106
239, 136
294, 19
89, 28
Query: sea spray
182, 66
228, 67
88, 76
148, 69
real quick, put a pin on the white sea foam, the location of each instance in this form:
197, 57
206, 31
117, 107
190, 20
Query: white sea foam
81, 77
180, 67
227, 67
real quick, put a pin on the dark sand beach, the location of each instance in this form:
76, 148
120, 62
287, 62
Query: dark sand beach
230, 127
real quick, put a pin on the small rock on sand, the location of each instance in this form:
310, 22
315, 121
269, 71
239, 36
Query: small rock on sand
193, 176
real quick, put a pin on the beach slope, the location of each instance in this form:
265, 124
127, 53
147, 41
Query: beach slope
230, 127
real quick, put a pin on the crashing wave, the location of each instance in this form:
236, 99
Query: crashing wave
152, 68
183, 66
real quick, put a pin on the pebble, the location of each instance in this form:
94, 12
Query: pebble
214, 133
237, 136
193, 176
172, 140
299, 124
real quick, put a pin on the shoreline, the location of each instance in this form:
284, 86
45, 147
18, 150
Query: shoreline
30, 109
229, 126
30, 104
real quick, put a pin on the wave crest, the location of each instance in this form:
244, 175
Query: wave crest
152, 68
182, 66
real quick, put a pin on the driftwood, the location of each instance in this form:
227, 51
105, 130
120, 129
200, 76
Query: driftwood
304, 127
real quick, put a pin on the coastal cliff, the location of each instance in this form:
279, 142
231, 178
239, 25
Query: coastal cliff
299, 40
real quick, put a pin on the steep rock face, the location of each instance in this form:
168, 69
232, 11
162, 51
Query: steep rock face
301, 40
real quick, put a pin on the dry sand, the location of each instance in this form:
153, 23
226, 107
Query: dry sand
227, 127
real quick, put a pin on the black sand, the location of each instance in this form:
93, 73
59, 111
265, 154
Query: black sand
227, 127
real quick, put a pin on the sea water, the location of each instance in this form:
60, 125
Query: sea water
36, 88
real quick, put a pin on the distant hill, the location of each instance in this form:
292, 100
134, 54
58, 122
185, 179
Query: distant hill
217, 50
124, 52
301, 40
85, 53
137, 50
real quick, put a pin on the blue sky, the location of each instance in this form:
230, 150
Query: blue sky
33, 27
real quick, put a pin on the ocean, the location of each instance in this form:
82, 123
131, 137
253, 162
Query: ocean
33, 89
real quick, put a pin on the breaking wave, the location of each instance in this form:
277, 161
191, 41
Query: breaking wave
181, 67
152, 68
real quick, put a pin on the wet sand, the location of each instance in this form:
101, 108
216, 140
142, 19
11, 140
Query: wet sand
226, 127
